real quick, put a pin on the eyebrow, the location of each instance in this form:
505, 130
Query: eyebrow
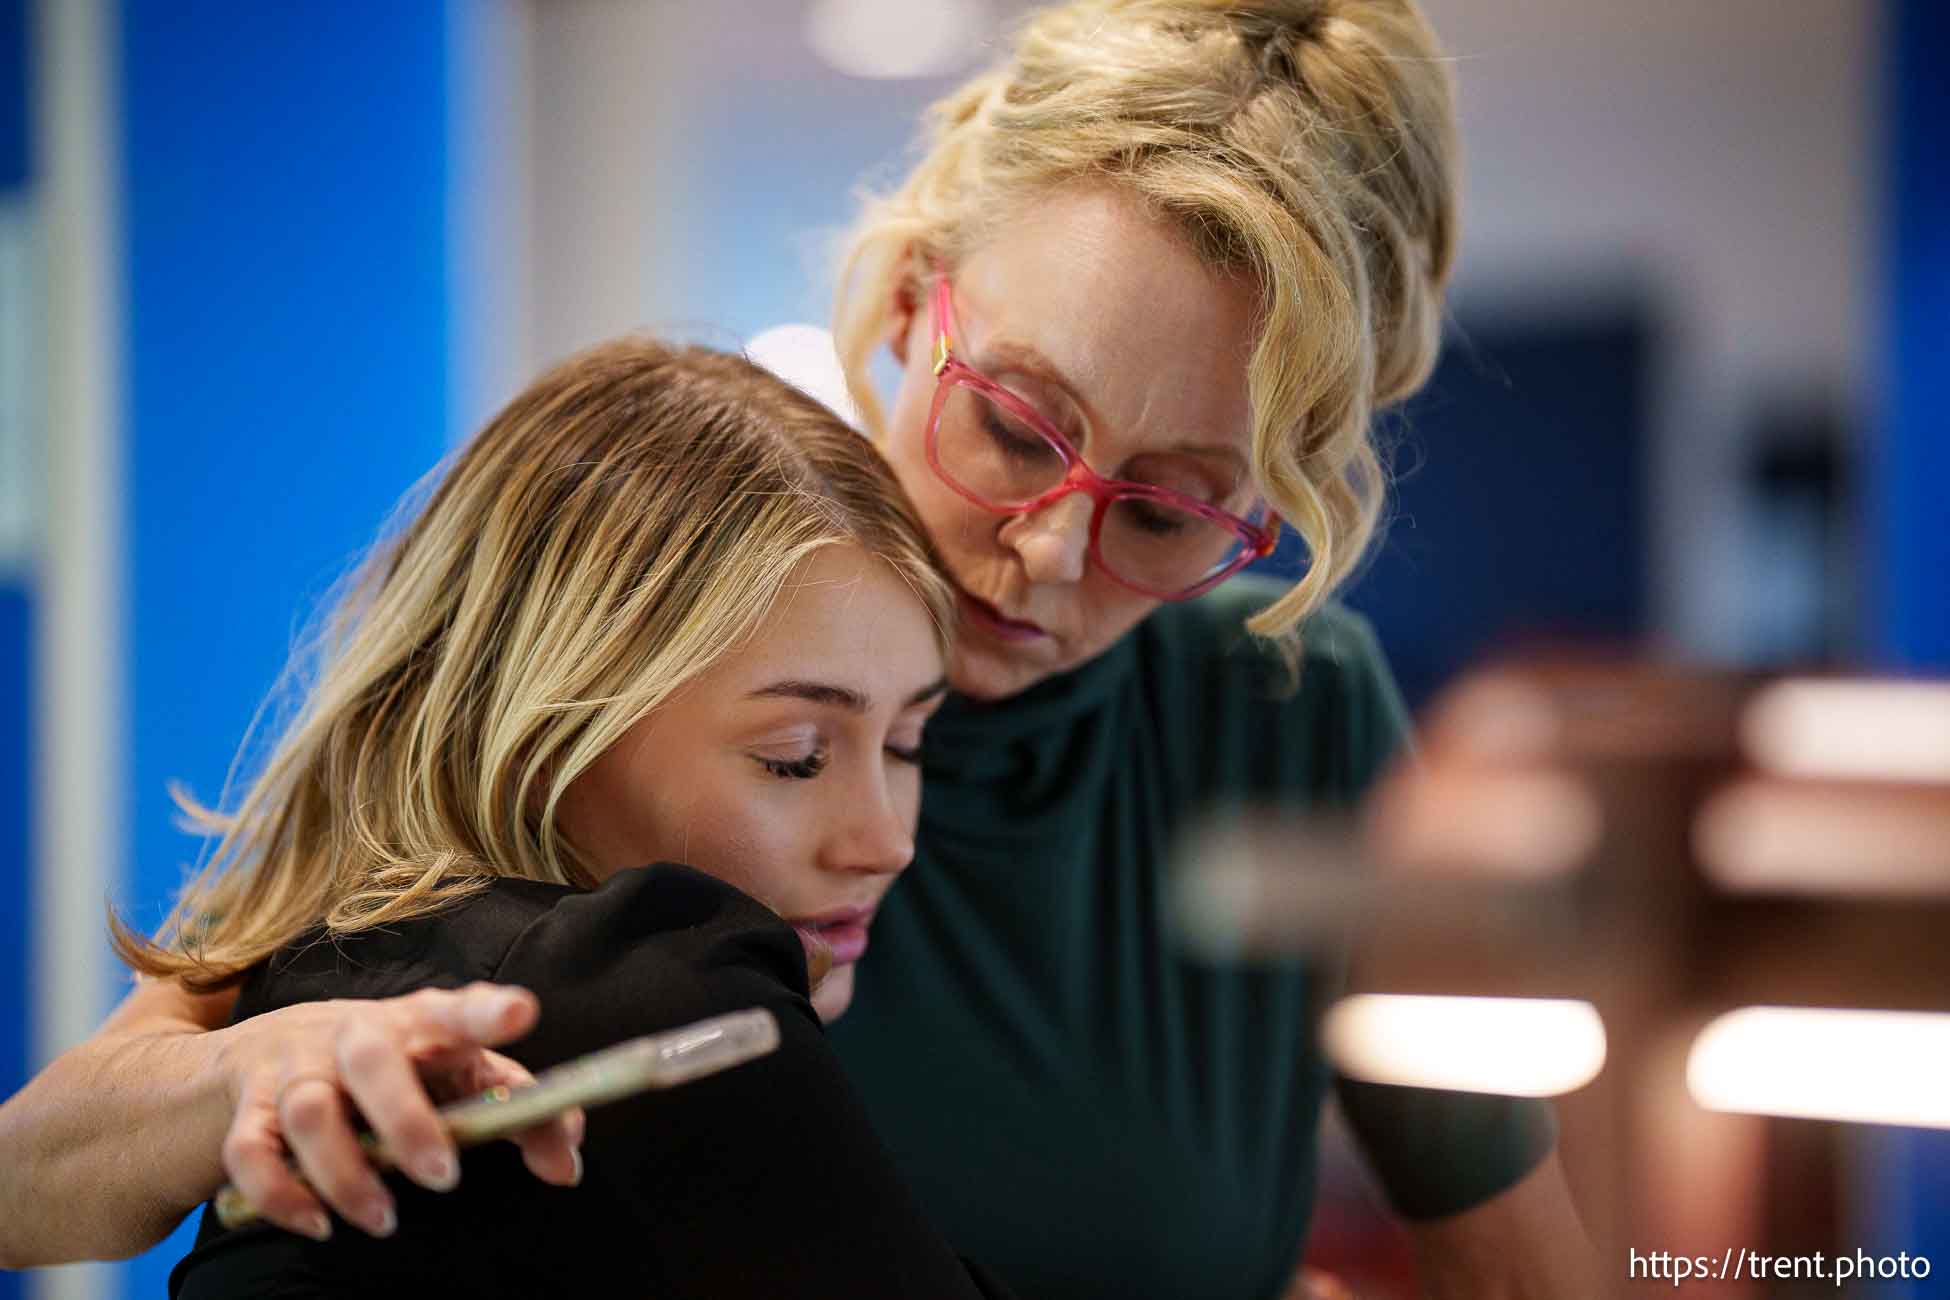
1008, 355
841, 697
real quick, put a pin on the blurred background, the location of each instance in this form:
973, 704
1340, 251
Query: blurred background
261, 265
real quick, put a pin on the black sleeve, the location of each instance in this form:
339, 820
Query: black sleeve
765, 1180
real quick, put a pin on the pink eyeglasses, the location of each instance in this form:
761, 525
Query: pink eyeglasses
1156, 538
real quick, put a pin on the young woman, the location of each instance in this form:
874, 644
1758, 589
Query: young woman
662, 609
1149, 282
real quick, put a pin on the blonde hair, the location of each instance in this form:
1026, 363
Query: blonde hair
1308, 143
605, 539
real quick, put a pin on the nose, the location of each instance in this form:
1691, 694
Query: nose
1053, 542
875, 834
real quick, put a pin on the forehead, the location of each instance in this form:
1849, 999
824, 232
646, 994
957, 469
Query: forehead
1155, 342
846, 616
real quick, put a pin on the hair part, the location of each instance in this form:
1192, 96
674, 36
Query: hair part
615, 531
1309, 144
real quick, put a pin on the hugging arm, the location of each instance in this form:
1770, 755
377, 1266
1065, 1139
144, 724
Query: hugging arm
1524, 1243
121, 1136
1478, 1180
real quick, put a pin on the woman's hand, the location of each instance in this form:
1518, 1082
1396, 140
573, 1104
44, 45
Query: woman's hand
300, 1075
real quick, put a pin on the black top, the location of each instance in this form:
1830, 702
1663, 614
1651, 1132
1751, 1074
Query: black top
765, 1180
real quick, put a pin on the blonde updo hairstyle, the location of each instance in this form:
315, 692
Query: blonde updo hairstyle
1307, 143
608, 537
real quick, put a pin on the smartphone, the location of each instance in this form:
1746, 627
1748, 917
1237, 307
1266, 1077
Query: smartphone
663, 1060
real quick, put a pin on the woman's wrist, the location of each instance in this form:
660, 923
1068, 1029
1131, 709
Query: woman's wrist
186, 1075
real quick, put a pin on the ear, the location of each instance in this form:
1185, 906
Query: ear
906, 306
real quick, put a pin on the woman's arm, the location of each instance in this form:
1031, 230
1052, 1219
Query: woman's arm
120, 1137
1525, 1243
111, 1144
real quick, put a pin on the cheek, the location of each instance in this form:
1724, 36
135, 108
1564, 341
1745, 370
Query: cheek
745, 842
953, 524
613, 814
907, 797
905, 443
949, 519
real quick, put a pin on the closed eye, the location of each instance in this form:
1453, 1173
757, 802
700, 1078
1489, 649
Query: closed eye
1012, 438
793, 769
1155, 520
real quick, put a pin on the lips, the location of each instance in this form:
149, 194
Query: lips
843, 931
993, 621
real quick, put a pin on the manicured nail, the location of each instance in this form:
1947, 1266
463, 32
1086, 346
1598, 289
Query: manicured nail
381, 1220
439, 1171
486, 1014
315, 1225
575, 1171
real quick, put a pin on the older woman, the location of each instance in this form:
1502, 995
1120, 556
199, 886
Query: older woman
1148, 285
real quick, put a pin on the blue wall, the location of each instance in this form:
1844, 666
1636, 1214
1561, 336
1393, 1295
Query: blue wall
16, 129
1911, 501
1518, 507
286, 208
1915, 469
16, 646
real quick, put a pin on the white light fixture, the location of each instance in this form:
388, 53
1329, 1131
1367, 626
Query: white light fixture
1767, 835
1842, 730
883, 39
1869, 1067
804, 356
1518, 1047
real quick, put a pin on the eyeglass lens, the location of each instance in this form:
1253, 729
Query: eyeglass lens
990, 452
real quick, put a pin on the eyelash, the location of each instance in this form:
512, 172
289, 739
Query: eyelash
795, 769
804, 769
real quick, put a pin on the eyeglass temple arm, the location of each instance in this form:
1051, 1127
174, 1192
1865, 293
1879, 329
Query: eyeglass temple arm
944, 319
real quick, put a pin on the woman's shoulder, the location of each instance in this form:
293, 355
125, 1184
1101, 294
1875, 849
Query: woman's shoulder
666, 922
650, 949
1205, 640
1212, 627
1327, 720
462, 941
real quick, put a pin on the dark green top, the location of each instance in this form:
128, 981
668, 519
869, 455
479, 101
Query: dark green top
1078, 1102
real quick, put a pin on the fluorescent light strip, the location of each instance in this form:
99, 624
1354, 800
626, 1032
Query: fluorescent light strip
1519, 1047
1868, 1067
1773, 835
1851, 730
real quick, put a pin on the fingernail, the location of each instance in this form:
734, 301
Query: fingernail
439, 1171
316, 1226
381, 1220
487, 1014
575, 1168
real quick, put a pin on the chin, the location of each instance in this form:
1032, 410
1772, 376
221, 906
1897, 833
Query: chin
834, 995
981, 675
